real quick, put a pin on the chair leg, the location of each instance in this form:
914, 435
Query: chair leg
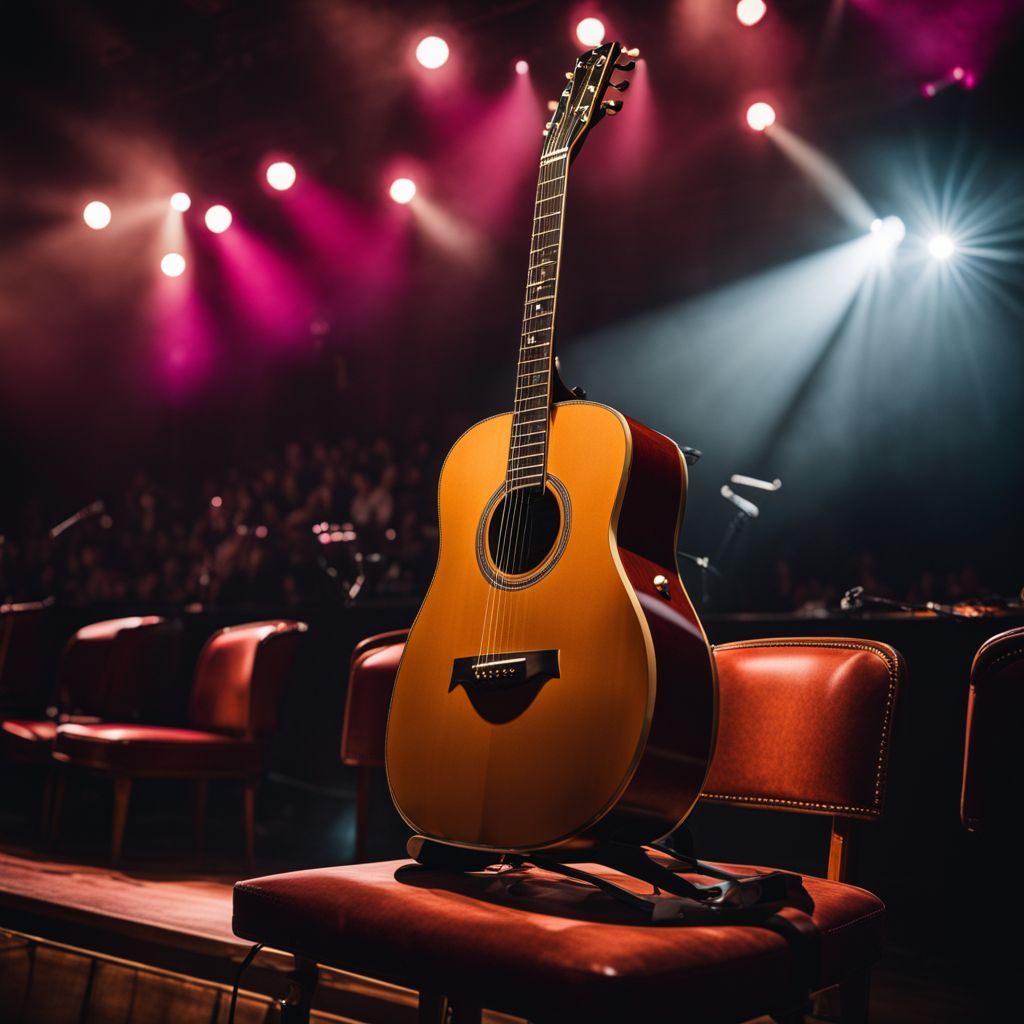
249, 812
854, 999
296, 1006
201, 790
122, 794
363, 782
433, 1008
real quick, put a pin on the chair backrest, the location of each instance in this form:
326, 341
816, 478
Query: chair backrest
24, 679
804, 725
371, 678
83, 676
240, 675
992, 748
140, 669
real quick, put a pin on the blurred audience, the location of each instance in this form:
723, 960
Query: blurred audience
303, 525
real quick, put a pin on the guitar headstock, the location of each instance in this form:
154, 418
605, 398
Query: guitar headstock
582, 103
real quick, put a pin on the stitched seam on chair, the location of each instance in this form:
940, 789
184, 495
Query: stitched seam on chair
1008, 656
892, 667
855, 922
849, 808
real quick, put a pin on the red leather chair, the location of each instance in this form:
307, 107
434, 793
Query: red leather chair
804, 725
992, 748
102, 674
371, 678
233, 710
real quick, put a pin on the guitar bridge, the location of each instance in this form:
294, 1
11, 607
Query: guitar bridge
503, 671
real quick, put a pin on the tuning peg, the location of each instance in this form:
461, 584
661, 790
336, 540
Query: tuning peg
568, 76
632, 52
552, 105
621, 86
630, 65
611, 106
549, 124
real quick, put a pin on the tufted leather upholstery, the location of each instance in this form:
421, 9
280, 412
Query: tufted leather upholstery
371, 679
804, 725
992, 746
538, 945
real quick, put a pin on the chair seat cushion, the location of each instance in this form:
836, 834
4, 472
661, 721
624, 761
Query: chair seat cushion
533, 943
156, 750
27, 740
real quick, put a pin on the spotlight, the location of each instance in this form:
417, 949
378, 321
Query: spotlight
750, 12
942, 247
760, 116
96, 215
402, 190
173, 264
590, 32
522, 68
281, 175
218, 219
888, 232
180, 201
432, 52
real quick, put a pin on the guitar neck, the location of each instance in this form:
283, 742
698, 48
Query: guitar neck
531, 414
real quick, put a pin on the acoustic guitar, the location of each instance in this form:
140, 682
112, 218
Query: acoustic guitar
557, 688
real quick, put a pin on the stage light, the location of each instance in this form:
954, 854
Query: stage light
750, 12
760, 116
216, 501
180, 201
522, 68
432, 52
402, 190
96, 215
281, 175
218, 219
888, 231
590, 32
173, 264
942, 247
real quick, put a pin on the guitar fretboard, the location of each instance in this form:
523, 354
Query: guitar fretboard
528, 446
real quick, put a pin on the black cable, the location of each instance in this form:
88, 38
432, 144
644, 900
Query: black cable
238, 979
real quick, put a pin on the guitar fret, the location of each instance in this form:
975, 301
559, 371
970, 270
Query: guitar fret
539, 359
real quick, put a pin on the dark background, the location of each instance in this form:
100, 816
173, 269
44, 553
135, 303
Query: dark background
704, 291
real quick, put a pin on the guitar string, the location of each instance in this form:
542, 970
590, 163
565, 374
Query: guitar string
512, 496
515, 528
516, 604
488, 637
506, 602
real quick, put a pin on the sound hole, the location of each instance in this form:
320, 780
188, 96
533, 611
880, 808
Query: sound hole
523, 530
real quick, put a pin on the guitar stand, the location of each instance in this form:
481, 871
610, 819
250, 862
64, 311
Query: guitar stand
731, 898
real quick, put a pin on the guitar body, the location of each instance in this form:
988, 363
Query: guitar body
551, 692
